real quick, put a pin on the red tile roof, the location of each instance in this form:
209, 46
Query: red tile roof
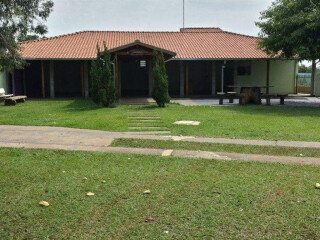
197, 43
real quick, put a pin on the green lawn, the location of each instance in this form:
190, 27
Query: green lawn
249, 122
191, 199
217, 147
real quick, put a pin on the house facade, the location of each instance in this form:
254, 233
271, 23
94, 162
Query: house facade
200, 62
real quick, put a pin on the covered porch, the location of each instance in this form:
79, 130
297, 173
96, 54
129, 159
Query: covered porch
133, 72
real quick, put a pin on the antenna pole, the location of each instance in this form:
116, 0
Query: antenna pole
183, 14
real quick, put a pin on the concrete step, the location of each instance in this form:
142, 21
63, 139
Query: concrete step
145, 121
144, 118
146, 128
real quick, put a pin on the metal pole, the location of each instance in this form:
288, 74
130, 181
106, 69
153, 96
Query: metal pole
183, 14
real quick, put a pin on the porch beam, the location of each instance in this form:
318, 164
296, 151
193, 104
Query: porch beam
213, 79
86, 79
182, 77
52, 93
42, 80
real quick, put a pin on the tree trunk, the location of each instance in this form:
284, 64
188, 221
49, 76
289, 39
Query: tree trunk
314, 68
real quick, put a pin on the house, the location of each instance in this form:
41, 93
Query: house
200, 62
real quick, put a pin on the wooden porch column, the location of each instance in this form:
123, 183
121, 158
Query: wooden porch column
187, 79
116, 75
52, 94
82, 79
182, 77
213, 79
24, 82
13, 83
42, 80
86, 79
268, 77
150, 70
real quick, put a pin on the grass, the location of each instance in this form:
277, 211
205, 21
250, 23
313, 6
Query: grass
191, 199
248, 122
217, 147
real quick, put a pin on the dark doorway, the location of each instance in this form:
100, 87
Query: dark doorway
134, 77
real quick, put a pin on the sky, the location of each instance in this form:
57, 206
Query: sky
154, 15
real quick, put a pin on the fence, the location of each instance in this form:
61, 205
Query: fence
304, 83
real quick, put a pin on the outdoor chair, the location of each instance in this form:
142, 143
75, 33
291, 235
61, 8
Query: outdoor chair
10, 99
3, 95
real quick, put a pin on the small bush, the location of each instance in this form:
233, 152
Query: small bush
103, 89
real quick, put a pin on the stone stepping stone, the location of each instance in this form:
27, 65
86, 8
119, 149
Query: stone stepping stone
145, 118
187, 123
145, 121
146, 128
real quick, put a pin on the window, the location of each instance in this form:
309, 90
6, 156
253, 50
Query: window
244, 69
143, 63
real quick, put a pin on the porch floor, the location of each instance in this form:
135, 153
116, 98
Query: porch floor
292, 100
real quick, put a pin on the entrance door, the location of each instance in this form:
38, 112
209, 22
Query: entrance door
134, 77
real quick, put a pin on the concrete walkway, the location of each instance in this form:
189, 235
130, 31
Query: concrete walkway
295, 101
92, 140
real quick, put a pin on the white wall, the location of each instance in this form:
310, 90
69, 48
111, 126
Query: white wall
317, 84
3, 83
282, 76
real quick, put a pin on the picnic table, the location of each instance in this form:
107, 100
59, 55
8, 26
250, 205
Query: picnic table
252, 93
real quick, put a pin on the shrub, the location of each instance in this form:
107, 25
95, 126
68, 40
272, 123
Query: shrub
103, 89
160, 92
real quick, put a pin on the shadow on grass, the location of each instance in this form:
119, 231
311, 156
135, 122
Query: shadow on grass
80, 105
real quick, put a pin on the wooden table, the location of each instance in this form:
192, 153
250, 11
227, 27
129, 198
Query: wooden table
253, 93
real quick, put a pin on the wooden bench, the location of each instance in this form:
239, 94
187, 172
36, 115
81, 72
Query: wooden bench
221, 97
268, 98
231, 96
282, 97
12, 101
243, 98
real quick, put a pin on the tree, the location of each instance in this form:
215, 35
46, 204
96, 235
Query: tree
160, 92
291, 28
304, 69
17, 19
28, 37
103, 89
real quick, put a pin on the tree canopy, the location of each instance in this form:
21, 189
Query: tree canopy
18, 20
291, 28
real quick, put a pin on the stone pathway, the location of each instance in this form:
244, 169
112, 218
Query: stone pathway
144, 120
99, 141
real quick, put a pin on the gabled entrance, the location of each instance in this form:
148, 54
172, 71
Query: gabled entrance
133, 68
135, 76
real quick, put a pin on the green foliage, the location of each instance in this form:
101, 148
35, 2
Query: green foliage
103, 89
23, 38
291, 28
18, 19
160, 91
304, 69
